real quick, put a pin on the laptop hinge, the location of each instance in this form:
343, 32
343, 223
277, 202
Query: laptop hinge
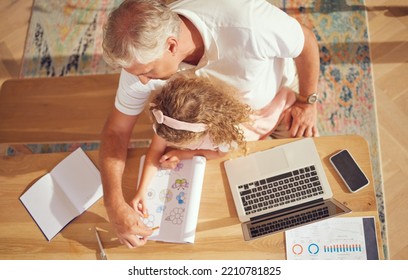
287, 211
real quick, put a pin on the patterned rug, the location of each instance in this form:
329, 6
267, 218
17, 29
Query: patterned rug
64, 38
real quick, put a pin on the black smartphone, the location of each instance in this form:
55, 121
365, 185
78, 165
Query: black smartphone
349, 171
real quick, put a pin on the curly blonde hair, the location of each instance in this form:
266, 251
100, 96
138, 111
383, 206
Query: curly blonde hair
201, 100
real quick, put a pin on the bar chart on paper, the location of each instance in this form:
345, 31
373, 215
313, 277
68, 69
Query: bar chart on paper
342, 248
333, 239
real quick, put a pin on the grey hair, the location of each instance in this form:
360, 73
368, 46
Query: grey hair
137, 31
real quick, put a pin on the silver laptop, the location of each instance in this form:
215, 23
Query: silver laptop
281, 188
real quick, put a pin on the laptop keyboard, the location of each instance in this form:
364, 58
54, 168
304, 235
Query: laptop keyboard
288, 222
280, 190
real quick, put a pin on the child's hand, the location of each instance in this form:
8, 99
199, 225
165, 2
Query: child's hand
138, 203
169, 160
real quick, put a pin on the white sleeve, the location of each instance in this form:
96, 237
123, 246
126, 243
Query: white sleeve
277, 34
132, 95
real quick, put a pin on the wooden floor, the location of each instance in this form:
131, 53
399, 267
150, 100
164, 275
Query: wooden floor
388, 31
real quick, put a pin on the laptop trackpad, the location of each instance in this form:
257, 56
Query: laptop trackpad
271, 161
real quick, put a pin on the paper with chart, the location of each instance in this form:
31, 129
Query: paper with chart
350, 238
173, 200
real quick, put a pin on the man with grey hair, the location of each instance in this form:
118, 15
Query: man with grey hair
249, 44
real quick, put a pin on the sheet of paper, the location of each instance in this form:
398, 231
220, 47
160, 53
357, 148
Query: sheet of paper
346, 238
79, 179
48, 206
173, 200
64, 193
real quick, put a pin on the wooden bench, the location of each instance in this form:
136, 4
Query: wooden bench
60, 110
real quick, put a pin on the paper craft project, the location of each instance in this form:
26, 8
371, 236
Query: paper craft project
351, 238
63, 194
173, 200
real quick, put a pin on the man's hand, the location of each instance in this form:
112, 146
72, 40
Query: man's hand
300, 120
128, 225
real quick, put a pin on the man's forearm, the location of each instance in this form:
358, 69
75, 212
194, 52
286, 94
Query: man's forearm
112, 159
308, 64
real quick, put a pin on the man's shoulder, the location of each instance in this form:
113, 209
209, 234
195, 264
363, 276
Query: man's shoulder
245, 13
214, 5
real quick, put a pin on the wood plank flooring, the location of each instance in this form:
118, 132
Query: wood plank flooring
388, 31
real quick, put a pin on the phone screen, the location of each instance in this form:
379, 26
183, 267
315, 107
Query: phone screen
348, 169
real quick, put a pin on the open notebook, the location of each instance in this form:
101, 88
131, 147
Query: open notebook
64, 193
173, 200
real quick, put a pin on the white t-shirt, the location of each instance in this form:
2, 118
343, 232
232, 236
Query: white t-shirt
250, 44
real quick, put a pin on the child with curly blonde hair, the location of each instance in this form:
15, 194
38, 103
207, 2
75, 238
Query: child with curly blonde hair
192, 116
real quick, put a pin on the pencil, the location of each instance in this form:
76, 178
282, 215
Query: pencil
155, 228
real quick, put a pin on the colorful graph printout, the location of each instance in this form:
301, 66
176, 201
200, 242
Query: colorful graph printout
346, 238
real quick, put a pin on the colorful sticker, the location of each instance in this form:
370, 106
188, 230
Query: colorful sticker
180, 184
179, 166
160, 209
166, 195
181, 198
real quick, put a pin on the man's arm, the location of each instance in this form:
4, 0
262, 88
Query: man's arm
125, 220
304, 115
